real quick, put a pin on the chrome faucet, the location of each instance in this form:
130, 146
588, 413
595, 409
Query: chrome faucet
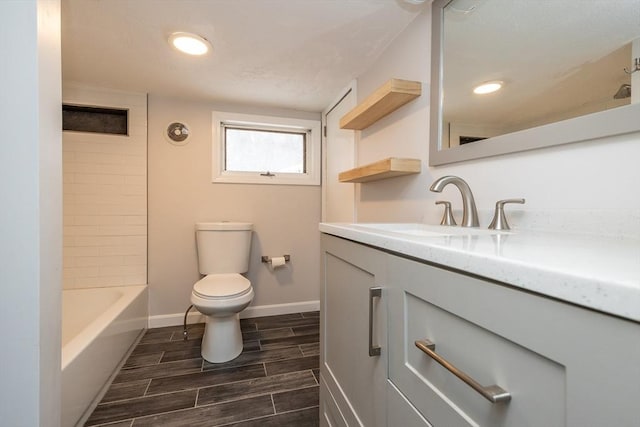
469, 211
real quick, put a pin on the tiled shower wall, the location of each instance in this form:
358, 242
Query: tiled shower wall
105, 196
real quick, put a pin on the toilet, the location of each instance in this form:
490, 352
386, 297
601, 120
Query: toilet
223, 253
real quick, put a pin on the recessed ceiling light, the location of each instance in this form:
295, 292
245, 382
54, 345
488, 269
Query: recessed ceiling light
188, 43
487, 87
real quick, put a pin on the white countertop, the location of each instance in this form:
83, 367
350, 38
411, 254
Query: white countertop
601, 273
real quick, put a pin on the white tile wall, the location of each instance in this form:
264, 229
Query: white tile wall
105, 196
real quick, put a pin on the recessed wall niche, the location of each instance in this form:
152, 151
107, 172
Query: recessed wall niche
80, 118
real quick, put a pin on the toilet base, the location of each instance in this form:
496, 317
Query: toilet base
222, 339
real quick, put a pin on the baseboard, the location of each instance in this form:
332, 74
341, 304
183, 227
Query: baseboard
176, 319
275, 309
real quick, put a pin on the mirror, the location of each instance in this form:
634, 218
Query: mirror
564, 69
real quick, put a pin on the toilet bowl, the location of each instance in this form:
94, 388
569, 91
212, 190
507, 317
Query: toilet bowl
221, 297
223, 253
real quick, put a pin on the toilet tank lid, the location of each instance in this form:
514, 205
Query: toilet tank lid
224, 225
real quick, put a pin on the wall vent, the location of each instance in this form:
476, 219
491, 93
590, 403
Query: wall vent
80, 118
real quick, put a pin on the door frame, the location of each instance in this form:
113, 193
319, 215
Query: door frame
351, 87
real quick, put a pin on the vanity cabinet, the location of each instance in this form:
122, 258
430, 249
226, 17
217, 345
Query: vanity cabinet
561, 365
353, 353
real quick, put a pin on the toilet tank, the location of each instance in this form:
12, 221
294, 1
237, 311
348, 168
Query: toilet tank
223, 247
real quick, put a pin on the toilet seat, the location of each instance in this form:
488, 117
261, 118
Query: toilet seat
222, 286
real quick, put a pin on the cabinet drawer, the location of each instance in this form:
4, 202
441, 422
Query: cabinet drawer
486, 357
486, 330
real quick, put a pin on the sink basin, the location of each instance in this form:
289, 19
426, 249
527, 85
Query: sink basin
426, 230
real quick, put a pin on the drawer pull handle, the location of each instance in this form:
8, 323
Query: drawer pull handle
374, 350
493, 393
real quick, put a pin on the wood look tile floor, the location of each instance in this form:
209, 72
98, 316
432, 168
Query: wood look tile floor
165, 381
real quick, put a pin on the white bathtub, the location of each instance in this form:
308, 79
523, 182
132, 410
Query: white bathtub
99, 326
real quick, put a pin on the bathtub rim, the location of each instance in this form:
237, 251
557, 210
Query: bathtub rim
88, 334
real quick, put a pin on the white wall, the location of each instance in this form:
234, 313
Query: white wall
600, 175
181, 193
105, 196
31, 214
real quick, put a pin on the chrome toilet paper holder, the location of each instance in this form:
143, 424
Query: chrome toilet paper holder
267, 259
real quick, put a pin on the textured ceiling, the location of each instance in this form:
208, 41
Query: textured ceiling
285, 53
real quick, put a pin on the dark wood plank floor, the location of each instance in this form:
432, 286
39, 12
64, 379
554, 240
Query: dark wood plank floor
165, 381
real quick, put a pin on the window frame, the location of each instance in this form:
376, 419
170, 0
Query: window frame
220, 120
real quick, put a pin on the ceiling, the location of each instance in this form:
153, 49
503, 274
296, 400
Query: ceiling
295, 54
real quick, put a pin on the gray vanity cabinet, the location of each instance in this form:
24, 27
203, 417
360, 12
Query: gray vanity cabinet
561, 365
352, 382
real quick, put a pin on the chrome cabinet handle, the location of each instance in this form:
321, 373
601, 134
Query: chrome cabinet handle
493, 393
374, 350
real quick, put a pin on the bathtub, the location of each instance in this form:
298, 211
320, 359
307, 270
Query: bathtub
99, 326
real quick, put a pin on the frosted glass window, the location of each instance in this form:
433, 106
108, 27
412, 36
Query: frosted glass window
265, 151
254, 149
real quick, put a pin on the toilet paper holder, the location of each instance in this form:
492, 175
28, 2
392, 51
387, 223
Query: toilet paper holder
267, 259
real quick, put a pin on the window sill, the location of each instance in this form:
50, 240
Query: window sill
278, 179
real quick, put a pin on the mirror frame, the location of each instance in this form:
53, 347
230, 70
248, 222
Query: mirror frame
615, 121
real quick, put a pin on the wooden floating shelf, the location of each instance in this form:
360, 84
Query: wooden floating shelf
388, 98
387, 168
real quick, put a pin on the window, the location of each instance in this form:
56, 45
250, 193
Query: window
265, 150
257, 150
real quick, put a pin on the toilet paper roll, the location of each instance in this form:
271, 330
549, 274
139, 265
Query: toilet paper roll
277, 261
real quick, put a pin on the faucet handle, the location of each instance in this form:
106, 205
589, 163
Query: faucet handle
499, 221
447, 218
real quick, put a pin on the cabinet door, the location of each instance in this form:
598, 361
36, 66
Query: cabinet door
354, 381
562, 365
400, 412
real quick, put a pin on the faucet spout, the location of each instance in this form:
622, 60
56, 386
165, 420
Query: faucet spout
469, 211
